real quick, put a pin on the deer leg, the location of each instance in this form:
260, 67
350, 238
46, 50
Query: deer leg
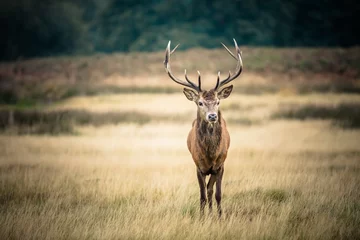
202, 184
210, 187
219, 176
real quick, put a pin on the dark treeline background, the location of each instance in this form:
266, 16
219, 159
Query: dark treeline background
32, 28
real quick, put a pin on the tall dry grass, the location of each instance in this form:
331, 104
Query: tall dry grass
284, 179
119, 168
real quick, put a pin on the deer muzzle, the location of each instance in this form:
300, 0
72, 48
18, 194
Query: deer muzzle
212, 117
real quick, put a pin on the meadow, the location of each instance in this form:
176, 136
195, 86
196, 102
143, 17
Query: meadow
95, 147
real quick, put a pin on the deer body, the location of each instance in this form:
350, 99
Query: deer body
208, 140
208, 144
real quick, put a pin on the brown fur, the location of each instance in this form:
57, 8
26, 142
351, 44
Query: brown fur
208, 144
208, 140
209, 95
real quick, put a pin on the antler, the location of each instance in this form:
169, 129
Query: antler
238, 70
188, 83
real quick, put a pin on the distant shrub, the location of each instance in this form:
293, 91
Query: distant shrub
346, 115
35, 122
62, 122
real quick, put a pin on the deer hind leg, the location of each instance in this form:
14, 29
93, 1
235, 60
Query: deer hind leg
202, 184
219, 176
210, 190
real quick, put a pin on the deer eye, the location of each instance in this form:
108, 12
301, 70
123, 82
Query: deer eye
218, 103
200, 104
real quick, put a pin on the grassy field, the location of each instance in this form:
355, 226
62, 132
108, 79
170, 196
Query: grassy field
111, 162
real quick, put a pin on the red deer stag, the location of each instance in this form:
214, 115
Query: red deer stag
208, 140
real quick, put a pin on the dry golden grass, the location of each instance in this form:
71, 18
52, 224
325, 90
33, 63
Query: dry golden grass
283, 179
125, 173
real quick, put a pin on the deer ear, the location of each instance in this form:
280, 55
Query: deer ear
190, 94
225, 92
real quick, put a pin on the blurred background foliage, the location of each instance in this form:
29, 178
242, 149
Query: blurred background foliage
33, 28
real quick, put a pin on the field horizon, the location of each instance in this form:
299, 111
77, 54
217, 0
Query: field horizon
95, 147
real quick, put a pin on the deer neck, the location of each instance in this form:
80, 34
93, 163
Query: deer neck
209, 135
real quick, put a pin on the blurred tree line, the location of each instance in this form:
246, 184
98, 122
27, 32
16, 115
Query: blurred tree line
48, 27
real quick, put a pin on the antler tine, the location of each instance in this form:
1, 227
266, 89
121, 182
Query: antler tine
239, 67
217, 81
228, 50
189, 84
174, 48
199, 81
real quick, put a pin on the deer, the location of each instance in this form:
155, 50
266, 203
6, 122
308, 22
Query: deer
208, 140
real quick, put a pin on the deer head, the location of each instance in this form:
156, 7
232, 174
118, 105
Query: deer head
207, 101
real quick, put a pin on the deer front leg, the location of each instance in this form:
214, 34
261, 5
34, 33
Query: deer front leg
210, 190
219, 176
201, 178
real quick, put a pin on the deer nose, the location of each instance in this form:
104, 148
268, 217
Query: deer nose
212, 117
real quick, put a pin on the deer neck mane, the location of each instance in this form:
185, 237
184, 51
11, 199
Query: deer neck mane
209, 135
